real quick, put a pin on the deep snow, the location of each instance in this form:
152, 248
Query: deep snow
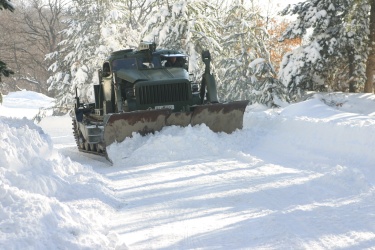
298, 177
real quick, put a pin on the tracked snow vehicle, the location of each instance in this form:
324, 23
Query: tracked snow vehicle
141, 91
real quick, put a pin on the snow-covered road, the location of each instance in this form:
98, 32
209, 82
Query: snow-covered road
300, 177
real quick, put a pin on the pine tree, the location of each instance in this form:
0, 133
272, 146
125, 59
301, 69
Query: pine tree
334, 57
4, 70
76, 66
370, 64
266, 88
95, 29
245, 70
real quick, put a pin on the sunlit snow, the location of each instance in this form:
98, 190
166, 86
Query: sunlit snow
298, 177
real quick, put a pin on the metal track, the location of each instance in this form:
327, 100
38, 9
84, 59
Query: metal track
79, 138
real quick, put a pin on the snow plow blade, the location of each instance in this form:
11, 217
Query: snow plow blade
219, 117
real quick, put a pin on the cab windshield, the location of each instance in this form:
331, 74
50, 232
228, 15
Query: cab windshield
174, 60
126, 63
156, 61
136, 63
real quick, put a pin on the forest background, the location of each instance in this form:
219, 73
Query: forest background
259, 53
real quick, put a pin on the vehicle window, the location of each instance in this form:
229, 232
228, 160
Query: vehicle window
146, 63
174, 61
156, 61
126, 63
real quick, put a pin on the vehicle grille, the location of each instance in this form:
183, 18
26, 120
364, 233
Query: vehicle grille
163, 93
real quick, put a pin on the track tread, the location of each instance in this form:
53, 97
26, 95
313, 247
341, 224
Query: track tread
77, 138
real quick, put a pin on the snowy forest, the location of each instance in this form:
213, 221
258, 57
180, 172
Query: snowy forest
259, 54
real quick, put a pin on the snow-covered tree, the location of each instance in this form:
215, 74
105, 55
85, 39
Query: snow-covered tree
95, 29
336, 49
77, 60
370, 64
266, 88
244, 42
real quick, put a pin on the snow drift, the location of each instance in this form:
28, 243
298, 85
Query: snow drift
41, 191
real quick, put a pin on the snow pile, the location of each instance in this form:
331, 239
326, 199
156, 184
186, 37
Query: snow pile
198, 142
328, 126
24, 104
41, 192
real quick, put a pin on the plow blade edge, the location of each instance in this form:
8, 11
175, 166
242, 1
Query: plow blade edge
122, 125
220, 117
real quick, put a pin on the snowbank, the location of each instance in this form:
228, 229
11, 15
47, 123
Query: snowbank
46, 200
335, 127
25, 104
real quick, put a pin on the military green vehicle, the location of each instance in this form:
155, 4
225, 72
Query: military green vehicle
144, 90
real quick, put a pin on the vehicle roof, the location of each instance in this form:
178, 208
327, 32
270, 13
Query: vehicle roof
130, 53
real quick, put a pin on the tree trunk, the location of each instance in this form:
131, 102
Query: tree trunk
352, 81
370, 65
